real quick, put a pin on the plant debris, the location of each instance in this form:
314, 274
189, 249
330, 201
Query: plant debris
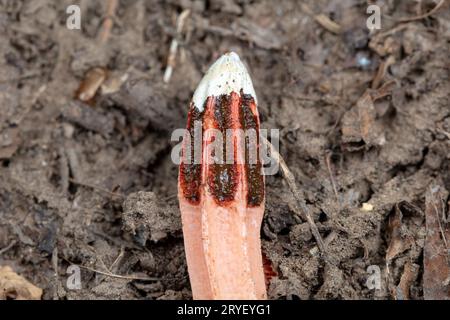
436, 275
15, 287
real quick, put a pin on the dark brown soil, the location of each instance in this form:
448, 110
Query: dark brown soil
93, 183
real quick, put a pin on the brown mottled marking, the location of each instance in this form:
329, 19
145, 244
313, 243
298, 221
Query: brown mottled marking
223, 178
191, 173
253, 172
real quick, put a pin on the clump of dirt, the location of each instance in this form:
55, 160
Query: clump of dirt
365, 129
148, 218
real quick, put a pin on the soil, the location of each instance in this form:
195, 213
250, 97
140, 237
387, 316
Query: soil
92, 183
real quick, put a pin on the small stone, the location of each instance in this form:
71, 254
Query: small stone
68, 130
367, 207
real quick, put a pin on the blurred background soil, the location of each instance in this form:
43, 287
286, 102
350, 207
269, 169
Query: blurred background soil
365, 129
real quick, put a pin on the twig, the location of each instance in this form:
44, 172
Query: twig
300, 207
63, 169
392, 31
445, 133
109, 274
323, 20
55, 275
422, 16
102, 262
382, 69
171, 59
328, 24
108, 22
96, 188
330, 172
119, 258
9, 246
383, 91
329, 238
74, 164
113, 275
171, 197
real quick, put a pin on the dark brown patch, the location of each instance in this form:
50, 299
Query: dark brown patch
253, 175
222, 182
222, 113
223, 178
269, 271
191, 173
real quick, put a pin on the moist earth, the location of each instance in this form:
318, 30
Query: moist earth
364, 120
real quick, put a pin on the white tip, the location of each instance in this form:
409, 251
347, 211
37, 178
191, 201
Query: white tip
226, 75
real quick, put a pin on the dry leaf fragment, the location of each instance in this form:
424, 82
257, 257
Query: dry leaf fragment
13, 286
359, 125
397, 243
367, 115
408, 277
435, 256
